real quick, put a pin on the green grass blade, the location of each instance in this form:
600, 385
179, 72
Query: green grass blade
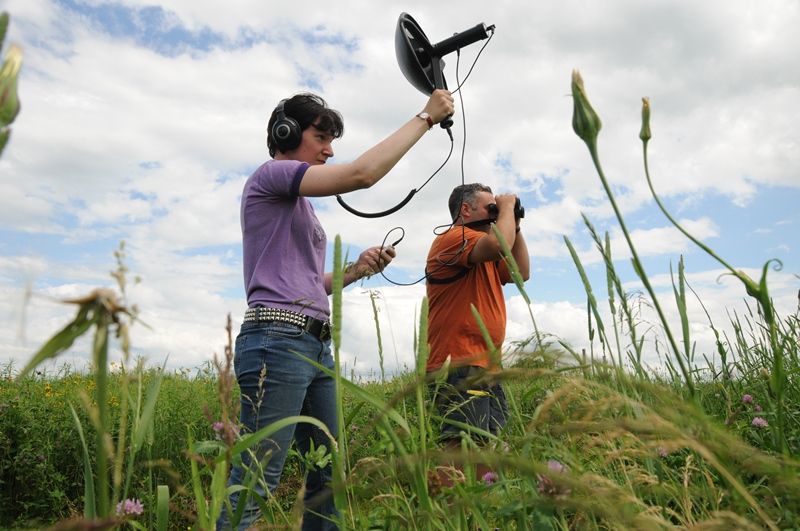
338, 451
89, 502
513, 268
680, 301
589, 292
102, 433
145, 421
362, 394
162, 507
492, 349
422, 360
197, 489
250, 440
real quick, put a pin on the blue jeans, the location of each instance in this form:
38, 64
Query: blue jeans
276, 382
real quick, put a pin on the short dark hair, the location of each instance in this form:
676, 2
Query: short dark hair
307, 108
464, 193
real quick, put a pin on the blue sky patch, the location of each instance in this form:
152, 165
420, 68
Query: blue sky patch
150, 27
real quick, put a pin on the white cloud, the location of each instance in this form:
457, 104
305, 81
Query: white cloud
117, 141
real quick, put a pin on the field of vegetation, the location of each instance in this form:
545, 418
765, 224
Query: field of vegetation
587, 446
709, 445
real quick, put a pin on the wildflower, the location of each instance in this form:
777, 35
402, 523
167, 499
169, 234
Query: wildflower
547, 486
128, 506
490, 478
747, 399
585, 121
759, 422
226, 432
662, 452
556, 466
757, 408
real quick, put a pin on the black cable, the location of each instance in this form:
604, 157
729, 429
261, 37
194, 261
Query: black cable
413, 192
402, 203
459, 85
462, 247
441, 265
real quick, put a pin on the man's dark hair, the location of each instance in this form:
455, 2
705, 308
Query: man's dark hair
306, 109
464, 193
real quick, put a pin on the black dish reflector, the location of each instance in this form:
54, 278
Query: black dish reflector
415, 55
419, 60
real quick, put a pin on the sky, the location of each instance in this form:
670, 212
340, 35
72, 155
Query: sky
141, 120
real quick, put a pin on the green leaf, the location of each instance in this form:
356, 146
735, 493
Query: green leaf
62, 340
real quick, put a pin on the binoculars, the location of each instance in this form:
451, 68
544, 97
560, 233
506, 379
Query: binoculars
519, 210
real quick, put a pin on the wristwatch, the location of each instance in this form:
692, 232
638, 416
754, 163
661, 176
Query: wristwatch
427, 117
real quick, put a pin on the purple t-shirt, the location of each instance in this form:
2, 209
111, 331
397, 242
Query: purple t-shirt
284, 244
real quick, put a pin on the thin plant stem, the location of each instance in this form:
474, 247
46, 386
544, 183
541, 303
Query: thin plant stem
757, 291
587, 124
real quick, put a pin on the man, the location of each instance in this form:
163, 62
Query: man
465, 267
287, 289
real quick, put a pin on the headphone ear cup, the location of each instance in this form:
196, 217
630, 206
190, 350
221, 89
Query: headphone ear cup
285, 131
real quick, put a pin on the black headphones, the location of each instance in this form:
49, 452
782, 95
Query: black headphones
286, 131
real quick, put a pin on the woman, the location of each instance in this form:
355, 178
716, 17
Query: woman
287, 322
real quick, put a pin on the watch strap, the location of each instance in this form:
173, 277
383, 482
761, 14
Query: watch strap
427, 117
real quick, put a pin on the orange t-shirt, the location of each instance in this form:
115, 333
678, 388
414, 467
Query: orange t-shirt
452, 329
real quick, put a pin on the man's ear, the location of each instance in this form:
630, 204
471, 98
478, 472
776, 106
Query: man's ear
465, 210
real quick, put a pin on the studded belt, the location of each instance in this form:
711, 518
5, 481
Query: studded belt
315, 327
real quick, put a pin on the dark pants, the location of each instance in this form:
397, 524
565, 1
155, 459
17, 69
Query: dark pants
469, 398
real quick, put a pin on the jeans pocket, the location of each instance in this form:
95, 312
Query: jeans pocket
287, 330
